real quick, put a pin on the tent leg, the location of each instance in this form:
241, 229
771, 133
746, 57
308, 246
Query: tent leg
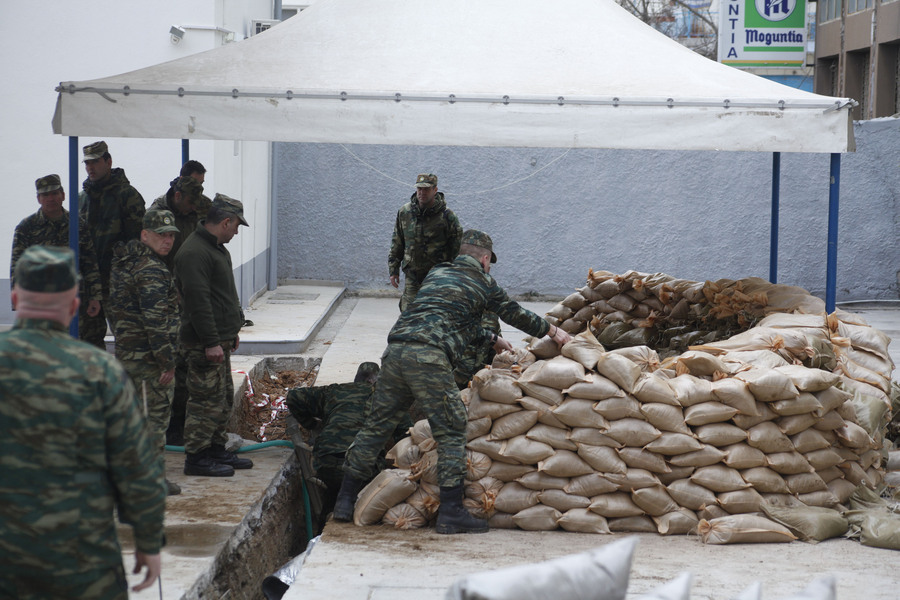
73, 214
833, 204
185, 152
776, 198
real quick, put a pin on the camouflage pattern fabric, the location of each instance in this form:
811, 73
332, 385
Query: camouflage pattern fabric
38, 230
155, 399
144, 307
337, 412
413, 372
114, 212
211, 399
211, 308
73, 446
422, 239
425, 344
478, 354
186, 225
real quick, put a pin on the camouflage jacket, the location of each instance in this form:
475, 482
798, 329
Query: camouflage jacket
39, 230
211, 309
74, 445
114, 212
337, 412
477, 354
423, 239
144, 306
186, 225
448, 310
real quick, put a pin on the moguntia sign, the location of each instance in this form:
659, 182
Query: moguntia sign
762, 33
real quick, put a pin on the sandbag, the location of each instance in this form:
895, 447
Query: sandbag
497, 385
599, 574
537, 518
562, 501
513, 424
564, 463
743, 529
535, 480
404, 453
554, 436
583, 520
558, 372
596, 387
590, 485
619, 370
665, 417
677, 522
404, 516
514, 497
389, 488
676, 589
584, 348
810, 523
690, 495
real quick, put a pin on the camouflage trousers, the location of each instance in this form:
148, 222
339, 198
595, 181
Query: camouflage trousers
211, 399
158, 406
93, 329
410, 289
107, 584
413, 372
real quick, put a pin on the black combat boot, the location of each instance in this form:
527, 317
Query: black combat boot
201, 463
453, 516
346, 498
218, 453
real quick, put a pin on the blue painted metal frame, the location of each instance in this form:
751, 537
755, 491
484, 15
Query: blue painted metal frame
73, 214
834, 195
773, 233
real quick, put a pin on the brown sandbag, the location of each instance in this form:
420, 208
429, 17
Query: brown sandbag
803, 403
652, 388
765, 480
477, 427
638, 524
404, 453
426, 499
389, 488
584, 348
597, 387
654, 500
768, 437
678, 522
877, 528
478, 465
744, 456
583, 520
535, 480
554, 436
509, 472
619, 370
615, 504
671, 444
513, 424
624, 407
638, 458
665, 417
558, 372
690, 390
404, 516
537, 518
631, 432
633, 479
525, 451
514, 497
562, 501
590, 485
736, 394
576, 412
708, 412
564, 463
719, 478
602, 458
544, 410
707, 455
743, 529
720, 434
497, 385
809, 523
740, 501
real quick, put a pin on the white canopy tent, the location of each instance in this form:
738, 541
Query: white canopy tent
520, 73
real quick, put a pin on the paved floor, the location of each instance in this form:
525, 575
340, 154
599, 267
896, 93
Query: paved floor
321, 320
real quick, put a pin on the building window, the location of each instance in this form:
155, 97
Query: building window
830, 10
856, 75
854, 6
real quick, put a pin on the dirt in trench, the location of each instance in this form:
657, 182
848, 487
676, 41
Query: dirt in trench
263, 407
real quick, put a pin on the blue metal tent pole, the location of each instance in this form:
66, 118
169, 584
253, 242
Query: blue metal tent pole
833, 204
185, 152
73, 214
773, 233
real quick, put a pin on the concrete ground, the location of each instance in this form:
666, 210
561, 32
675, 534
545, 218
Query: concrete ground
315, 319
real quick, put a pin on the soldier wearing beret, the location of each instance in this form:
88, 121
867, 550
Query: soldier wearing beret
74, 449
114, 211
334, 413
211, 320
424, 347
426, 233
49, 226
144, 308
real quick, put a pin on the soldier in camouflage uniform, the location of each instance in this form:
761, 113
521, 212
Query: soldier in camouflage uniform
144, 307
74, 448
424, 346
335, 413
49, 226
211, 320
426, 233
479, 354
114, 211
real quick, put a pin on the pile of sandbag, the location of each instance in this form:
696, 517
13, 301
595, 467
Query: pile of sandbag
790, 413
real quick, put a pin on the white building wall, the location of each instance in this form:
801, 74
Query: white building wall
48, 42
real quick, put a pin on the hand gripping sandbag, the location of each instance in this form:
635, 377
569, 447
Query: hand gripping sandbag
599, 574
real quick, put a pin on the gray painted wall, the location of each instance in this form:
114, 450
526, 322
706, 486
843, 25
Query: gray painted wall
553, 214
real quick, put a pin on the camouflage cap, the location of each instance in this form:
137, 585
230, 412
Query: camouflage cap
191, 189
47, 184
365, 370
426, 180
95, 151
46, 269
160, 221
223, 202
473, 237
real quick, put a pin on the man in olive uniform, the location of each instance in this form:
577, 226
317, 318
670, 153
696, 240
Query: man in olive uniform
335, 413
211, 320
49, 226
144, 307
74, 450
424, 346
114, 212
426, 233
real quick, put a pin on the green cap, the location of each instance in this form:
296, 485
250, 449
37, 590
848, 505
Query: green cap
223, 202
47, 184
473, 237
192, 190
426, 180
46, 269
95, 150
160, 221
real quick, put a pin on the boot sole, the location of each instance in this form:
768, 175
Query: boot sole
204, 473
447, 529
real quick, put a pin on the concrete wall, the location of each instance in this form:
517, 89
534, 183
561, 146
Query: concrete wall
61, 40
553, 214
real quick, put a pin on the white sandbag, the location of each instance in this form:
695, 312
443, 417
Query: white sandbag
619, 370
558, 372
809, 380
824, 588
404, 453
676, 589
599, 574
583, 520
518, 358
768, 385
743, 529
757, 358
597, 387
708, 412
690, 390
701, 364
665, 417
421, 432
477, 428
389, 488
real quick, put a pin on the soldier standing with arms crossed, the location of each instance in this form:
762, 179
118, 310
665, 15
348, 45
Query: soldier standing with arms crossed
424, 346
73, 446
144, 307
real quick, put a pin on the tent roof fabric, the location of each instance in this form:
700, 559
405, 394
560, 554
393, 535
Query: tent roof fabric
527, 73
